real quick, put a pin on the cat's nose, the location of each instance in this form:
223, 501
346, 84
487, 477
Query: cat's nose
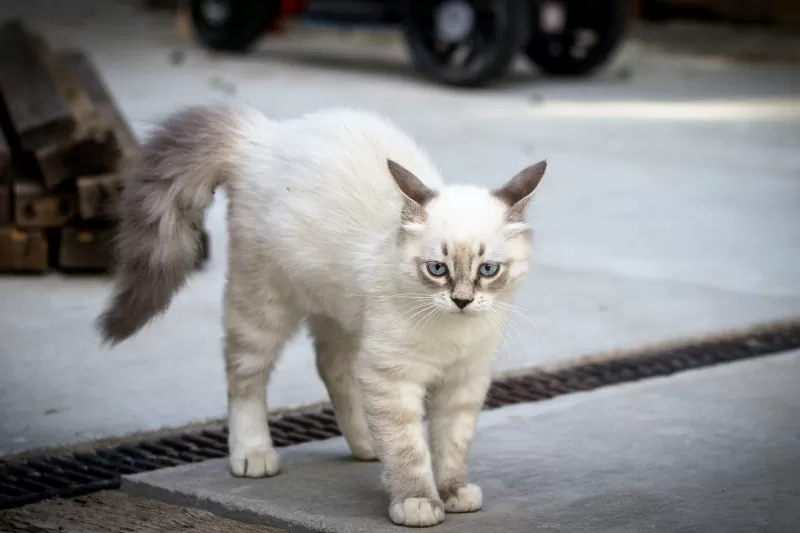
461, 302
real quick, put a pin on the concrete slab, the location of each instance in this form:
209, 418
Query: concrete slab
714, 450
670, 211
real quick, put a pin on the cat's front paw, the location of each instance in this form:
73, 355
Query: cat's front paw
254, 462
466, 499
417, 512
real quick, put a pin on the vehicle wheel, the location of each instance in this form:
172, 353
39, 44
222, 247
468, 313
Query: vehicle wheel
572, 37
232, 25
465, 42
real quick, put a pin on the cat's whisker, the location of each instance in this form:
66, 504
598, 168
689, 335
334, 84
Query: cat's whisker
430, 316
514, 328
521, 312
414, 307
504, 342
410, 296
491, 317
411, 312
425, 312
430, 306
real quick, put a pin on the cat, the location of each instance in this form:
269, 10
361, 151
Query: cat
340, 221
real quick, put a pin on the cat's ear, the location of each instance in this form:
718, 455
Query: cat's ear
415, 193
517, 193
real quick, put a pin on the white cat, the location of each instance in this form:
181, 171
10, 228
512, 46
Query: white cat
339, 220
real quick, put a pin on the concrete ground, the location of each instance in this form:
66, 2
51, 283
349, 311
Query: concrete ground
712, 450
670, 210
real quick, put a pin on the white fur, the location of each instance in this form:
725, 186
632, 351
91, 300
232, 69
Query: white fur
316, 191
317, 234
314, 197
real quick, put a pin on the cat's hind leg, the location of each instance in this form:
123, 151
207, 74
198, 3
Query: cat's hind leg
336, 350
255, 333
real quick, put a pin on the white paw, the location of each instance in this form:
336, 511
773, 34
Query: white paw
363, 451
467, 499
255, 462
416, 512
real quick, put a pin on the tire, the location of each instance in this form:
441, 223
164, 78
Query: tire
235, 26
495, 37
607, 19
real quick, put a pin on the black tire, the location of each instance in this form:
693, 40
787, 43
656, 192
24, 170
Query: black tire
607, 19
500, 31
238, 28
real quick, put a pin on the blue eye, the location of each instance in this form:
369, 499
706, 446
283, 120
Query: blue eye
487, 270
437, 269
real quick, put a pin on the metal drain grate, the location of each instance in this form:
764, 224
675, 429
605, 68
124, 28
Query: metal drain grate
68, 475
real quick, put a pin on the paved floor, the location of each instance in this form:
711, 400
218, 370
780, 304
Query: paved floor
670, 210
714, 450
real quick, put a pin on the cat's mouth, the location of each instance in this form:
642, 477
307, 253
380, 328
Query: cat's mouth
465, 311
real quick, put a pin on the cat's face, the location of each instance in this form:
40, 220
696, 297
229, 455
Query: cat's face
465, 246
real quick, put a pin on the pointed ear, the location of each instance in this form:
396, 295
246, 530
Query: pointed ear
516, 194
410, 185
416, 193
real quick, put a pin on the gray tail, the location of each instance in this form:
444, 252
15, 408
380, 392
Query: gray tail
165, 194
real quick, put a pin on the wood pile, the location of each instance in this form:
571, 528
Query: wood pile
63, 146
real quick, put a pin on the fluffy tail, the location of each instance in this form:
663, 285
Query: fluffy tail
165, 194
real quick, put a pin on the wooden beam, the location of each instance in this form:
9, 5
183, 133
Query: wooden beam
88, 77
82, 109
94, 155
5, 204
38, 110
5, 158
98, 196
86, 249
5, 181
93, 147
23, 251
34, 207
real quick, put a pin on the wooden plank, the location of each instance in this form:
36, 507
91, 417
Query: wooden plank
83, 70
83, 110
92, 142
86, 249
5, 203
38, 111
23, 250
5, 181
98, 196
5, 158
52, 166
98, 154
34, 207
117, 512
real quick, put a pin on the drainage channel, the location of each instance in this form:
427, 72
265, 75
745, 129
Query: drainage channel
67, 475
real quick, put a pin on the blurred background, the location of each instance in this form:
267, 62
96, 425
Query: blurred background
671, 208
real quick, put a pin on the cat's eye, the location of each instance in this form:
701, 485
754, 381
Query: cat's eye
437, 269
487, 270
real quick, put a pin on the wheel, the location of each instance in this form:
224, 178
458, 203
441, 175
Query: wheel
575, 37
465, 42
232, 25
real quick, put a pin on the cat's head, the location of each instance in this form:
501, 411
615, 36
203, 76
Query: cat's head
464, 246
